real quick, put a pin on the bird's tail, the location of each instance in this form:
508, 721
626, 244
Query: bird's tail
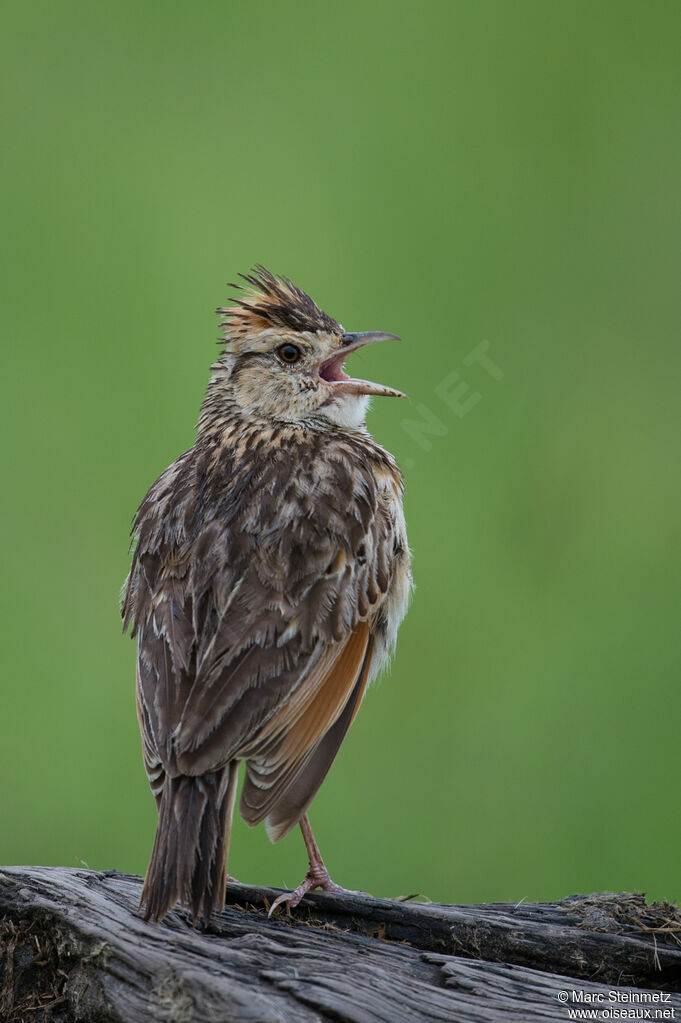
189, 859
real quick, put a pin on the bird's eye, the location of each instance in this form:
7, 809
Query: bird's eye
289, 353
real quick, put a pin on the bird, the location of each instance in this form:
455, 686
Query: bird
270, 573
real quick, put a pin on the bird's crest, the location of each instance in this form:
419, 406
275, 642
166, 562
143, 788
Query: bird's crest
270, 301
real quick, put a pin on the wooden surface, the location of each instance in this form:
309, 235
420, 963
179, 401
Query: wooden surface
73, 948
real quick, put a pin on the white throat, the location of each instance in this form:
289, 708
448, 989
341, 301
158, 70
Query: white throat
348, 410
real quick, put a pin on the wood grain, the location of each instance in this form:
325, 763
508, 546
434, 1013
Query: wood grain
73, 947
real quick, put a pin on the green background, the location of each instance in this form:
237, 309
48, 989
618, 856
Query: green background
455, 173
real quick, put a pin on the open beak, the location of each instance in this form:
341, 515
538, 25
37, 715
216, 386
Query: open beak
332, 373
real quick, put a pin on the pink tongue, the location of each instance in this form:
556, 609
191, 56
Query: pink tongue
332, 371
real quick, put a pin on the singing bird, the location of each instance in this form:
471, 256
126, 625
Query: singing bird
269, 577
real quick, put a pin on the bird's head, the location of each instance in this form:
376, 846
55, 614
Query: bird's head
284, 357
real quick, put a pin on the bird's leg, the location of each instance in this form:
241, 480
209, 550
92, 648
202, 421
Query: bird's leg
317, 875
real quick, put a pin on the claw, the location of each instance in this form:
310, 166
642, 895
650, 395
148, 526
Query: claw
315, 878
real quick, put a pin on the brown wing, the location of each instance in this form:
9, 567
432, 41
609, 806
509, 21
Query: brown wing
152, 761
254, 608
286, 761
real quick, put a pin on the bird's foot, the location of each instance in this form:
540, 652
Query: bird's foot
316, 877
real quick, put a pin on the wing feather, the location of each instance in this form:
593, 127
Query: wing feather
303, 787
255, 630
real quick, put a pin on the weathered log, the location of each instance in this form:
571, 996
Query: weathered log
73, 947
